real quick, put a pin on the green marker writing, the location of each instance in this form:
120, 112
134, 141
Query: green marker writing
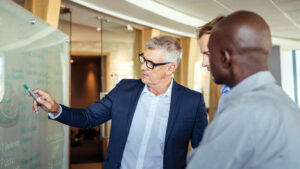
30, 92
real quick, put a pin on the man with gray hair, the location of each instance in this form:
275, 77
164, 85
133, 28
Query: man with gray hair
153, 119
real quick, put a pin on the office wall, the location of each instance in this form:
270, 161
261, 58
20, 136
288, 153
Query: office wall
274, 63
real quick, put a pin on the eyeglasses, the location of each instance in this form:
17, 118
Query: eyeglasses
149, 63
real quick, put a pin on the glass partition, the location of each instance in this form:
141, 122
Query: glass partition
118, 41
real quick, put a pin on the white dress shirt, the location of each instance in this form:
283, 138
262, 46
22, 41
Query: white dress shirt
144, 148
257, 127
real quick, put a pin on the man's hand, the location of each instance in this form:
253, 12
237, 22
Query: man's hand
46, 102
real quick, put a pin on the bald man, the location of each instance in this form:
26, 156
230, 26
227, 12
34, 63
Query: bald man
258, 127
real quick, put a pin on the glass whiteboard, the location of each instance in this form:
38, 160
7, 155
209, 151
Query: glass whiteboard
36, 54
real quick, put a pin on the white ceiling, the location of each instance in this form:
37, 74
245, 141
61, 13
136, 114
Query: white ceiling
283, 16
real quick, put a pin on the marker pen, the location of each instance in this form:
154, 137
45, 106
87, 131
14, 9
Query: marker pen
30, 92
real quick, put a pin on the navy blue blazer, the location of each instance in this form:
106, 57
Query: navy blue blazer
187, 120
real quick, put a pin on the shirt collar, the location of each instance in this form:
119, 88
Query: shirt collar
252, 82
225, 89
167, 93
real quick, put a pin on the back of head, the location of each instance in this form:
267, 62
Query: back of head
170, 46
207, 28
243, 38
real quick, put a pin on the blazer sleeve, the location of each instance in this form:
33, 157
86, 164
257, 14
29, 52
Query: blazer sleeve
200, 123
95, 114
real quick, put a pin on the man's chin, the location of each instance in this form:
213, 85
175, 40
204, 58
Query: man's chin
213, 77
215, 80
145, 81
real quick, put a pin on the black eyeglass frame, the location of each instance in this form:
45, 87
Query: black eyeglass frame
143, 59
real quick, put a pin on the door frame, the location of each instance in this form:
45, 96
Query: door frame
105, 84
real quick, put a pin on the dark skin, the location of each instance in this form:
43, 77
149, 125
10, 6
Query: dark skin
239, 46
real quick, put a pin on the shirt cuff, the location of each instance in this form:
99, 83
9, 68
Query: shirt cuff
55, 117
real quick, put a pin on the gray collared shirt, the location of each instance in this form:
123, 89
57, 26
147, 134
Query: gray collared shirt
258, 127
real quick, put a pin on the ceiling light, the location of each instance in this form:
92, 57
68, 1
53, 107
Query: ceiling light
98, 29
129, 27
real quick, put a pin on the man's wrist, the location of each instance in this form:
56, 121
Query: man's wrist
56, 111
54, 115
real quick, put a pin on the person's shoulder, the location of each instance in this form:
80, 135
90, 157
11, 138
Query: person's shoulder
130, 83
186, 91
125, 81
258, 105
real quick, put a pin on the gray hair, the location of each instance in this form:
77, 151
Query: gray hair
170, 46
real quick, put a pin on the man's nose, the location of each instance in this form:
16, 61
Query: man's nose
205, 62
143, 66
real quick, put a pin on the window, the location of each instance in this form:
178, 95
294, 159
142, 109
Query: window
296, 71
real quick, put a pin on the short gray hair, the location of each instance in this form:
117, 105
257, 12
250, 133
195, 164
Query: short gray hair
170, 46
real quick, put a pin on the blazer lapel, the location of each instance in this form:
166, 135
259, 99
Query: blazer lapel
173, 109
133, 103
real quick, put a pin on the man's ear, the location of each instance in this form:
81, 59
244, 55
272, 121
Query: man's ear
226, 59
171, 69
